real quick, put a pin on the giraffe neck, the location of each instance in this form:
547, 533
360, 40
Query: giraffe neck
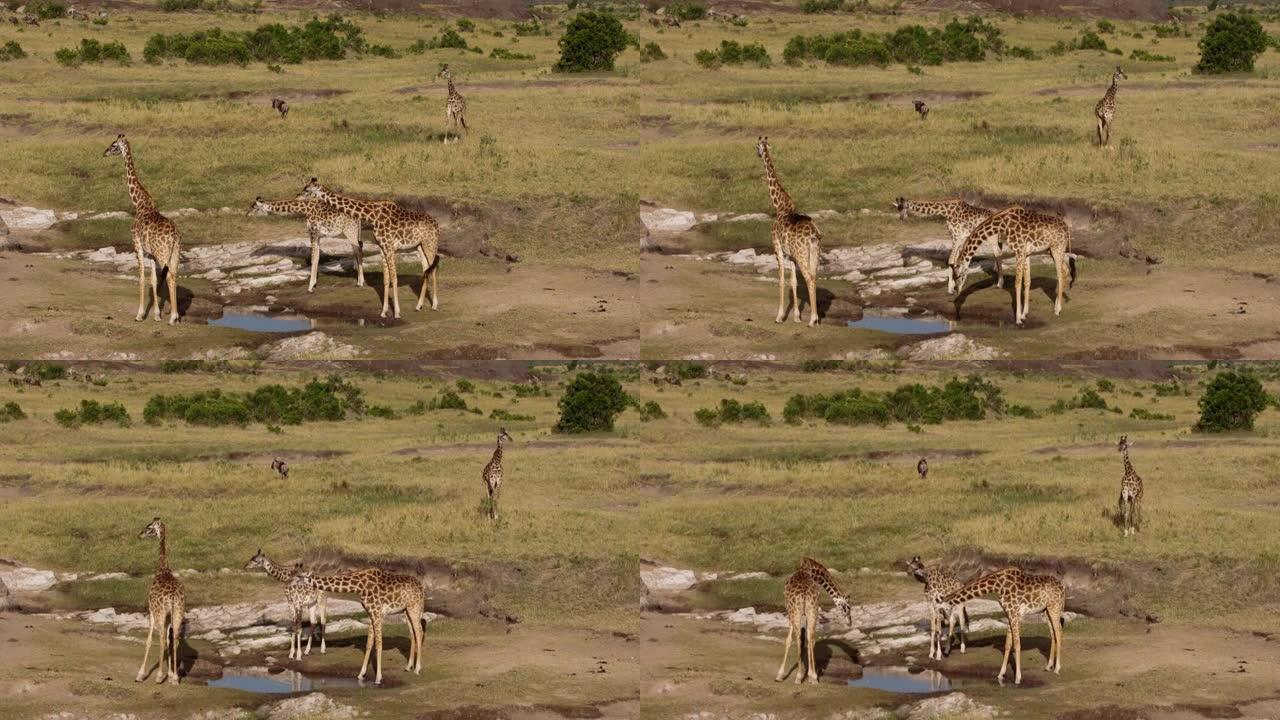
296, 206
449, 79
163, 565
1128, 466
497, 453
782, 204
342, 583
275, 571
138, 195
822, 577
362, 209
931, 209
1111, 91
982, 586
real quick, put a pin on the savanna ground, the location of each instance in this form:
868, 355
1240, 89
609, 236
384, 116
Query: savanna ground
1178, 622
539, 615
529, 183
1185, 182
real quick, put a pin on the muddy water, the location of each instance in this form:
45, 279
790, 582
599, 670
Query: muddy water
277, 681
902, 324
254, 321
901, 679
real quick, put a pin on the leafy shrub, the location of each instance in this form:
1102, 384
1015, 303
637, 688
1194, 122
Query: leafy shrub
531, 390
1231, 402
591, 402
1168, 30
385, 51
651, 52
1173, 388
446, 400
380, 411
92, 51
46, 370
11, 411
47, 9
318, 400
812, 7
686, 370
92, 412
1106, 26
685, 10
466, 25
967, 41
968, 399
1145, 414
732, 411
465, 385
1231, 43
592, 41
1089, 40
505, 54
1022, 411
330, 38
11, 50
651, 411
733, 53
1145, 56
179, 5
533, 27
179, 366
1105, 385
500, 414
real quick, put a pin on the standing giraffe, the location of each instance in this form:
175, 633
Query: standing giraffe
394, 228
300, 597
281, 467
1130, 491
795, 237
321, 221
922, 108
938, 583
801, 593
493, 474
165, 601
922, 468
1026, 232
381, 593
455, 108
154, 236
281, 107
1020, 593
1105, 110
961, 219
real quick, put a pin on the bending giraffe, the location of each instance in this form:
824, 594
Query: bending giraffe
961, 219
300, 597
154, 236
394, 228
801, 592
493, 474
455, 107
321, 221
795, 238
1130, 491
1020, 593
938, 583
165, 603
1105, 110
1026, 232
381, 593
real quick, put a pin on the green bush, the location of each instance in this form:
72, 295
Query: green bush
466, 25
686, 370
505, 416
505, 54
651, 411
651, 52
1106, 26
1231, 402
733, 53
591, 402
968, 399
530, 390
179, 5
1105, 385
92, 51
525, 29
1231, 43
46, 371
92, 412
812, 7
318, 400
11, 50
967, 41
47, 9
330, 38
179, 366
591, 42
1089, 40
732, 411
1145, 414
685, 10
446, 400
11, 411
1145, 56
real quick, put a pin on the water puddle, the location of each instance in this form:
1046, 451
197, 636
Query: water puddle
257, 319
278, 680
897, 679
902, 323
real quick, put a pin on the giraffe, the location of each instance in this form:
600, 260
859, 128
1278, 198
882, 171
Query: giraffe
165, 601
1105, 110
938, 582
1026, 232
394, 228
321, 221
801, 592
922, 108
381, 593
153, 234
961, 219
281, 467
300, 597
795, 237
1130, 491
455, 108
281, 107
922, 468
1020, 593
493, 474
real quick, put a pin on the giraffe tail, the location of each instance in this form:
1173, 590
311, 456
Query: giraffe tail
1071, 264
463, 119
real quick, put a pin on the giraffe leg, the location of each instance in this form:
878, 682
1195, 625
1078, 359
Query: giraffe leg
1137, 515
1100, 143
812, 627
795, 296
1008, 645
171, 279
162, 671
1015, 628
315, 258
324, 620
964, 627
426, 271
786, 652
999, 269
311, 615
354, 237
414, 617
377, 660
435, 290
811, 279
1053, 637
1026, 287
1060, 263
782, 285
395, 285
142, 288
935, 645
368, 648
295, 634
1055, 620
1017, 291
386, 281
176, 642
142, 671
155, 289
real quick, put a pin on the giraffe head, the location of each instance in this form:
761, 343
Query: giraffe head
1118, 75
156, 528
301, 578
259, 209
119, 147
444, 72
257, 561
843, 607
762, 146
916, 568
902, 206
313, 189
1123, 445
503, 436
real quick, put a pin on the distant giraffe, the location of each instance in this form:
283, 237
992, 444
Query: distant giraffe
394, 228
922, 468
1026, 232
281, 467
281, 107
938, 583
795, 237
381, 593
1130, 491
165, 603
801, 592
493, 474
1020, 593
154, 236
961, 219
300, 597
321, 221
1105, 110
922, 108
455, 108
